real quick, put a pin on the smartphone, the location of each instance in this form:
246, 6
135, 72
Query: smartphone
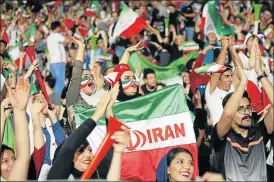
201, 89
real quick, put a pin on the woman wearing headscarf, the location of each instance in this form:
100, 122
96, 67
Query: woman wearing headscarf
75, 155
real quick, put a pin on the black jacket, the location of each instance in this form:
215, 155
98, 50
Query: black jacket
62, 166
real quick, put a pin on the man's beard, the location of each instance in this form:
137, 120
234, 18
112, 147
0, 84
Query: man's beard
245, 127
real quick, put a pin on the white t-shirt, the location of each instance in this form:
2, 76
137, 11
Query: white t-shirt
2, 81
56, 48
214, 102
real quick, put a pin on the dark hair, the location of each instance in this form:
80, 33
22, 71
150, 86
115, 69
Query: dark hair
50, 80
228, 68
227, 97
173, 152
172, 5
99, 38
4, 42
83, 16
55, 25
189, 64
148, 71
4, 148
84, 145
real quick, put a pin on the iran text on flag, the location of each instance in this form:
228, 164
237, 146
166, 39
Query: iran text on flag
129, 23
159, 122
15, 53
212, 20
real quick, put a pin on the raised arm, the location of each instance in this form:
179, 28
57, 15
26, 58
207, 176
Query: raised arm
127, 52
75, 82
220, 60
268, 87
264, 81
232, 105
39, 143
64, 159
5, 112
121, 139
156, 32
19, 100
236, 60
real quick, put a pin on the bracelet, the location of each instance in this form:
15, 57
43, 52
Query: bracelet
261, 76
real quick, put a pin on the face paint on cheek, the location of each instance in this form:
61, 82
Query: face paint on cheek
126, 84
84, 82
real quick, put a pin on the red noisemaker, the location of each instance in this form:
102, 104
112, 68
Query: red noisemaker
113, 126
30, 50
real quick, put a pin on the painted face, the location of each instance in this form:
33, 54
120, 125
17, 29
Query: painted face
244, 113
181, 167
7, 160
82, 158
88, 85
129, 83
226, 80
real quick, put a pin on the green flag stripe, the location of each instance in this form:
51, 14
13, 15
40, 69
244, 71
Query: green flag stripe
150, 106
162, 72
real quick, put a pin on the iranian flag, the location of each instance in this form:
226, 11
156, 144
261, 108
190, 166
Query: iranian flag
162, 72
129, 23
161, 122
15, 53
211, 68
104, 57
189, 46
212, 20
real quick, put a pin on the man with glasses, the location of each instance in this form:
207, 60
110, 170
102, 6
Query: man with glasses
239, 137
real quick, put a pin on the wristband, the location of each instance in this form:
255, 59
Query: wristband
261, 76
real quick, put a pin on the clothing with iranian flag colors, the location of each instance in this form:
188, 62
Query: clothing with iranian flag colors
163, 122
129, 23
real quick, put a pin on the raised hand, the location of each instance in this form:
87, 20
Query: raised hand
78, 42
121, 139
33, 66
36, 105
5, 108
137, 47
101, 107
264, 112
224, 41
52, 114
241, 75
20, 95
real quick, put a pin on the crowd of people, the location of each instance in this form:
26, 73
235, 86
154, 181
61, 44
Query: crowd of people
233, 108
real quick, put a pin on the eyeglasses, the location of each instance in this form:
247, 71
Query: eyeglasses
243, 109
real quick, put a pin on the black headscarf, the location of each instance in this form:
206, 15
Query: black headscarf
123, 97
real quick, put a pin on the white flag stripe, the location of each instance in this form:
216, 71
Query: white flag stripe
157, 129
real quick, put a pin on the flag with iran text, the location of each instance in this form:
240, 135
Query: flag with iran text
129, 23
159, 122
